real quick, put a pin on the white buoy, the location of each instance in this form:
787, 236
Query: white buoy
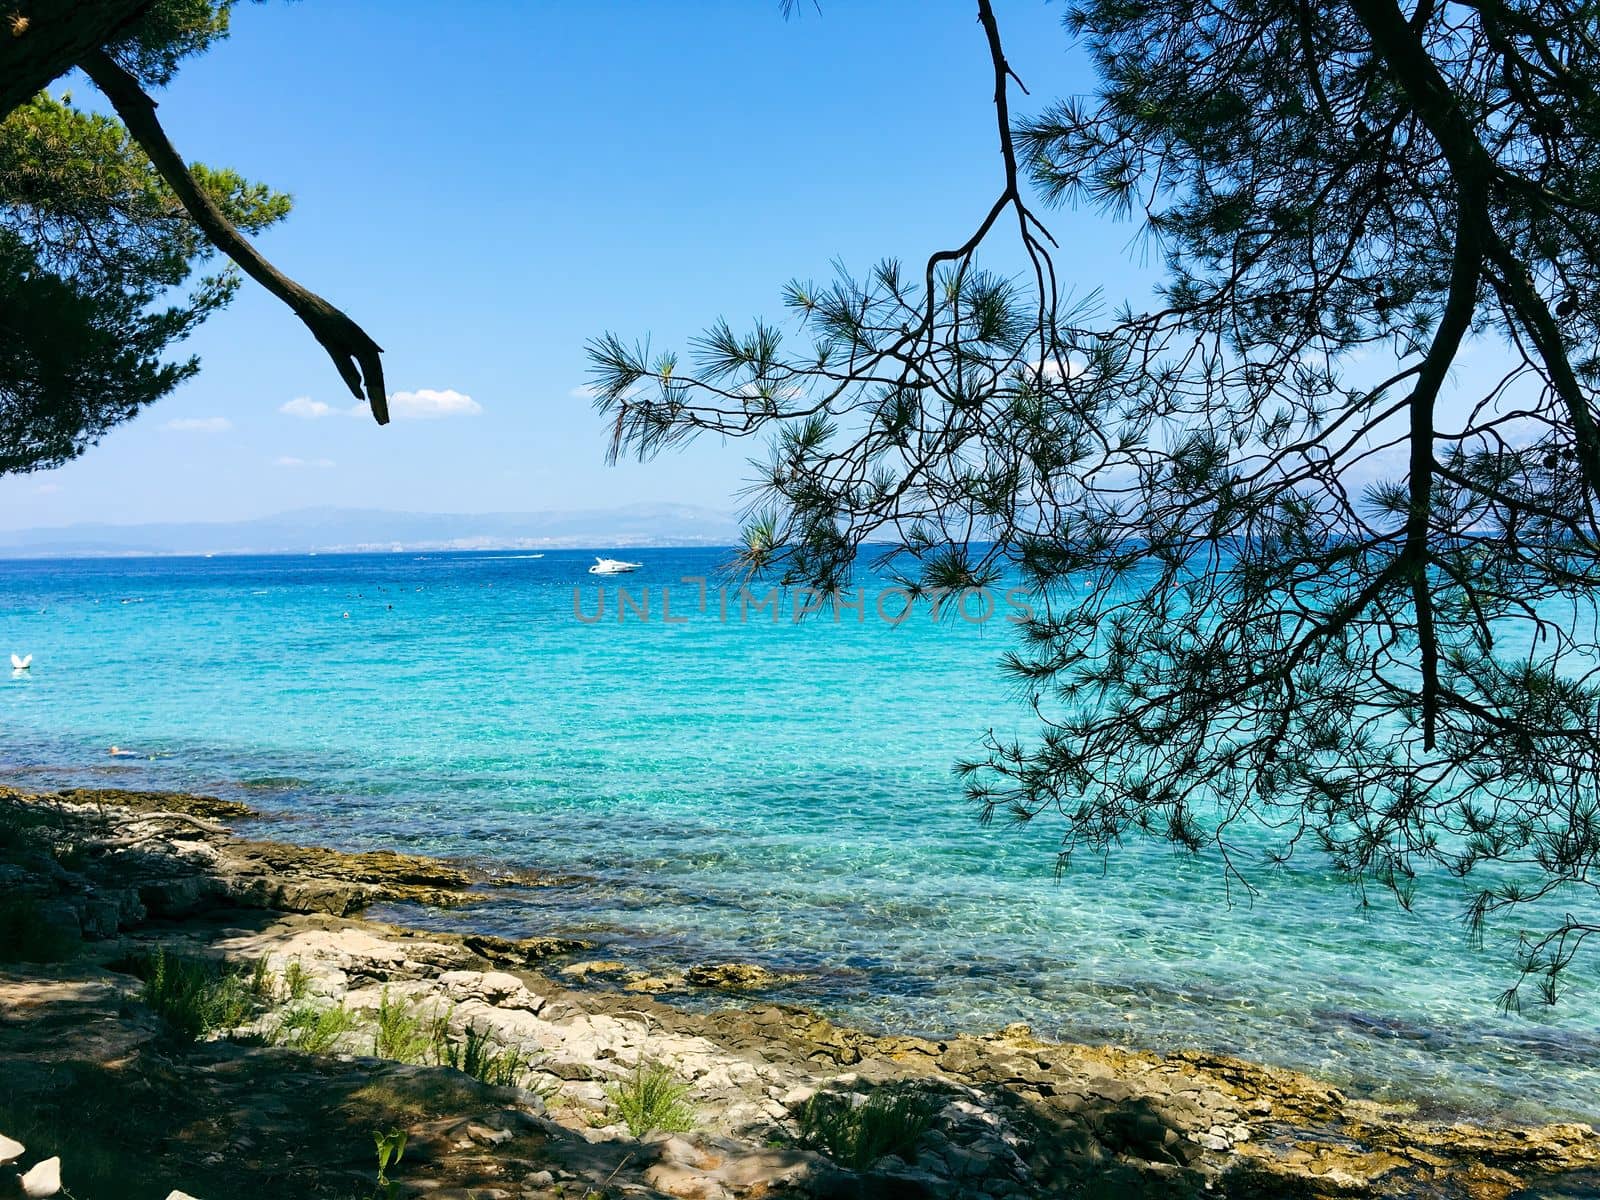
10, 1148
21, 663
44, 1180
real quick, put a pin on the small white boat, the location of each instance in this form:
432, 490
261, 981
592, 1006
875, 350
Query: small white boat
19, 663
613, 566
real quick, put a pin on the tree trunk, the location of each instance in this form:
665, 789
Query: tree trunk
41, 40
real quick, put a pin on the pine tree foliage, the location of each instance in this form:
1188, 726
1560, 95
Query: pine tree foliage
94, 247
103, 227
1310, 578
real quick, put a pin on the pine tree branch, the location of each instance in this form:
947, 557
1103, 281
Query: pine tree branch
1029, 227
1465, 275
1401, 48
354, 353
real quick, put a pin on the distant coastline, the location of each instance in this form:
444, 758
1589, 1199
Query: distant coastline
374, 531
8, 554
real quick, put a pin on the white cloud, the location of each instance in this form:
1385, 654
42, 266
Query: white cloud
426, 404
583, 393
200, 424
293, 463
306, 407
48, 489
1053, 369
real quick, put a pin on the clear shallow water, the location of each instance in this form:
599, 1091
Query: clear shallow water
774, 792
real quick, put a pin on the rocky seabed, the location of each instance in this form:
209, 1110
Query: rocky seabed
1007, 1115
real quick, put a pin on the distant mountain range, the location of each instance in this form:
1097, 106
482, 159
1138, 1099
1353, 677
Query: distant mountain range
348, 530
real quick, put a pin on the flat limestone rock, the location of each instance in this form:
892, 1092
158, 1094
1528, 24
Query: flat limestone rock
736, 977
211, 807
522, 952
1009, 1114
380, 874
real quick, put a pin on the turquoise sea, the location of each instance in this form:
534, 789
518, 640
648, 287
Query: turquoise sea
741, 789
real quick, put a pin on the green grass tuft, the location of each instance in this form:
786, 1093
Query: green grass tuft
856, 1135
650, 1099
315, 1029
479, 1054
295, 981
200, 996
401, 1034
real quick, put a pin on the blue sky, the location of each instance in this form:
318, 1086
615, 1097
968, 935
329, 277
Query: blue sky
485, 186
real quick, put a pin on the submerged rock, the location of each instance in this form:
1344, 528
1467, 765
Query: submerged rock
652, 984
211, 807
736, 977
523, 952
988, 1117
374, 874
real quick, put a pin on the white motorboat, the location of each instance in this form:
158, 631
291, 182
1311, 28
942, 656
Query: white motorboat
613, 566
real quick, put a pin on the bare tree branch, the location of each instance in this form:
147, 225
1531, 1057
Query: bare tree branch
354, 353
1397, 41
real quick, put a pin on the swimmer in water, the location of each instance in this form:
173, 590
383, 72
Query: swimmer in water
119, 752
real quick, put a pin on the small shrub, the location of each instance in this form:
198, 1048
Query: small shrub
858, 1134
440, 1042
401, 1034
199, 996
25, 936
479, 1054
650, 1099
295, 981
312, 1028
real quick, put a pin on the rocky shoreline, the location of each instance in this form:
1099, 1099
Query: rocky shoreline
99, 882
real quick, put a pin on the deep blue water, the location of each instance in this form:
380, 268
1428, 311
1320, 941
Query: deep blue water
747, 789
